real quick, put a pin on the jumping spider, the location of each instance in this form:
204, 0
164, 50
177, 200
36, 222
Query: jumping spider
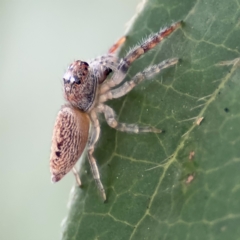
86, 89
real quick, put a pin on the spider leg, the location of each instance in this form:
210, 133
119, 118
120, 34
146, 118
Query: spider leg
138, 78
110, 117
135, 53
74, 170
95, 131
118, 44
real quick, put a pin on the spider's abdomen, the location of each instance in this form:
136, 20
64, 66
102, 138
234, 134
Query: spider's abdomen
80, 85
70, 136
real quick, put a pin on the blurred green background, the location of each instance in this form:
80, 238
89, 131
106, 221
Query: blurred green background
38, 40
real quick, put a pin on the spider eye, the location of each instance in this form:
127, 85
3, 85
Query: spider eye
77, 80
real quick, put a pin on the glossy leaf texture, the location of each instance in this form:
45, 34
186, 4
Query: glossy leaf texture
184, 183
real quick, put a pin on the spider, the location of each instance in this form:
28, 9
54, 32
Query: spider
87, 86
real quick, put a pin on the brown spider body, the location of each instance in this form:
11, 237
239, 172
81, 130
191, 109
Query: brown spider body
87, 88
70, 136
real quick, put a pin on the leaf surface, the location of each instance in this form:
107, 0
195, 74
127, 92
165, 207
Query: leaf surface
156, 188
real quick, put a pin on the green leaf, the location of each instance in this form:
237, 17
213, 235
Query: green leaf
145, 175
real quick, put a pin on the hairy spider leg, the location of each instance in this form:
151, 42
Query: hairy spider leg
75, 172
116, 46
135, 53
95, 132
110, 117
147, 73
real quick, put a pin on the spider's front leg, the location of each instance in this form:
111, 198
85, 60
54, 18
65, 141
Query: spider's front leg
110, 117
95, 131
138, 78
136, 53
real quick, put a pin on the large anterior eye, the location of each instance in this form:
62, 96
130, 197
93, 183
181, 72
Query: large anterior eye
77, 80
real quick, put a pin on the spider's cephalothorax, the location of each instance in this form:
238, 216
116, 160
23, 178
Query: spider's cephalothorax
80, 85
87, 88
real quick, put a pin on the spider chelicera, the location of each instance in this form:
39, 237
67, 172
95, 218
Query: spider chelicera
87, 86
